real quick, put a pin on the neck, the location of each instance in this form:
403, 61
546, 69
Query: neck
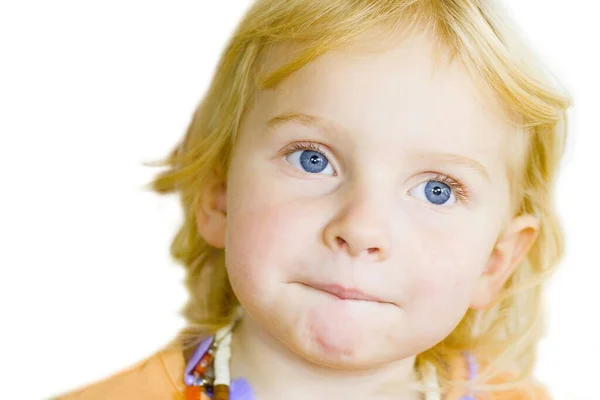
274, 370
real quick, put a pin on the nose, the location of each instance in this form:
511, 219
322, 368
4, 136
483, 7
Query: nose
361, 228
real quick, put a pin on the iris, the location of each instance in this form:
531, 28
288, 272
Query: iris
437, 192
313, 162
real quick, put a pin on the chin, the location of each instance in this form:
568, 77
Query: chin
342, 335
344, 355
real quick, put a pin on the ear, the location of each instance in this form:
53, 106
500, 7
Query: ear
211, 214
510, 249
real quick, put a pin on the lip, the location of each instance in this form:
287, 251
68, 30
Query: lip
344, 293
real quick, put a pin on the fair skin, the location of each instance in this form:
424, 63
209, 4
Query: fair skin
351, 257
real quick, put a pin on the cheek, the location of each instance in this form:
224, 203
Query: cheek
441, 287
442, 290
264, 236
252, 235
449, 267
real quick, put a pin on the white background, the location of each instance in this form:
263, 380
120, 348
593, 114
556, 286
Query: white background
91, 89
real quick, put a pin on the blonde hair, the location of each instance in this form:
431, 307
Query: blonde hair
472, 31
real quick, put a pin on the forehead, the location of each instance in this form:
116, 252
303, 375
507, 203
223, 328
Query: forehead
392, 94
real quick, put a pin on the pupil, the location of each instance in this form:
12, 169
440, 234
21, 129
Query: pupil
437, 190
314, 159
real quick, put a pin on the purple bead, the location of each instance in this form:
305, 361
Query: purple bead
195, 359
240, 390
472, 371
472, 365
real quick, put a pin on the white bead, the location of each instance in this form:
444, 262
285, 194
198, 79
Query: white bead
431, 382
222, 357
223, 352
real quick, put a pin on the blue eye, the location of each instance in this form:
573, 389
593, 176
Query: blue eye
311, 161
434, 192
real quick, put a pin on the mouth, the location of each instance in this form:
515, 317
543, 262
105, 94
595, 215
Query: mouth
344, 293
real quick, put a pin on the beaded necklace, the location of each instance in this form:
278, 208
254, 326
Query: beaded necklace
207, 374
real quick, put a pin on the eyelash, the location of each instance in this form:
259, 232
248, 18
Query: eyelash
460, 190
304, 146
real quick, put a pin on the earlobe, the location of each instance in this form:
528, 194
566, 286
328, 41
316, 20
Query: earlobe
211, 215
510, 249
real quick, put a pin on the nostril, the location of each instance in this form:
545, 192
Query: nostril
372, 250
340, 241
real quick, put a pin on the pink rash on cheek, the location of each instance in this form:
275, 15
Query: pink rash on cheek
328, 327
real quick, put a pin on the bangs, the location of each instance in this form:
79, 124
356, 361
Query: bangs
480, 36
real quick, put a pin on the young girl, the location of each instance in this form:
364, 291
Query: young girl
367, 191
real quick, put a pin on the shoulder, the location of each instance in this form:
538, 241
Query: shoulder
156, 377
528, 389
465, 367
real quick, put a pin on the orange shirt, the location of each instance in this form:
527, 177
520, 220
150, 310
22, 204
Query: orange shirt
160, 377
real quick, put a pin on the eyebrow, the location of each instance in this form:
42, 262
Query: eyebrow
324, 124
298, 118
455, 159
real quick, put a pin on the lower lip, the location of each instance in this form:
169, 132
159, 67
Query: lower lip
341, 294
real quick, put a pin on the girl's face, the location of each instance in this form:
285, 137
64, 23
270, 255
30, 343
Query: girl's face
364, 200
